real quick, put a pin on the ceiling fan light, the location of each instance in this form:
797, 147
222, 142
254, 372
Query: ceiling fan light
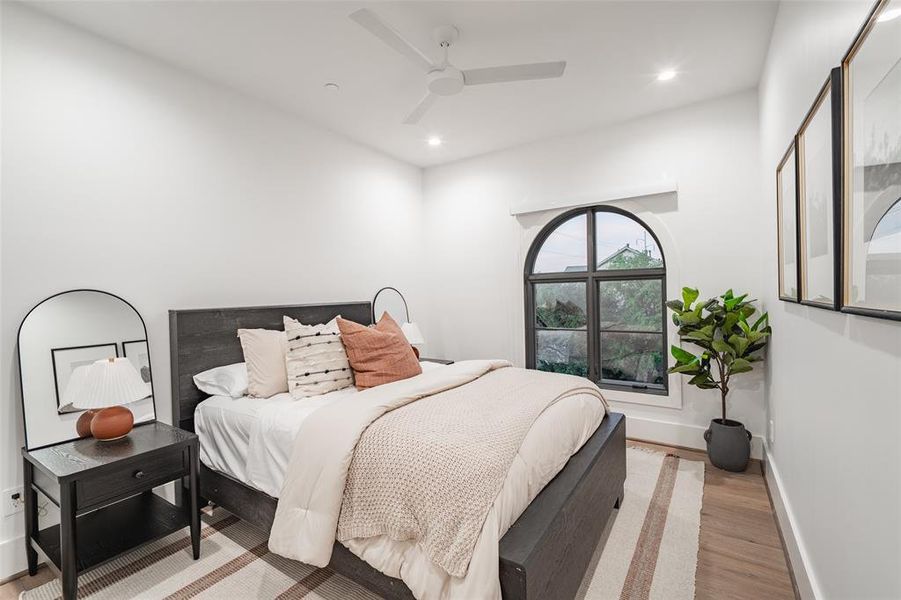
666, 75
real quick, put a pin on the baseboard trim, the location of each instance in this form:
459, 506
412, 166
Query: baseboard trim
806, 586
12, 559
677, 434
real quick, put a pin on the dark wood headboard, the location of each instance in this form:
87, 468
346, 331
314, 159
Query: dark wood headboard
200, 339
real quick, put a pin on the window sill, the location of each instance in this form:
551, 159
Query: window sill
631, 389
671, 398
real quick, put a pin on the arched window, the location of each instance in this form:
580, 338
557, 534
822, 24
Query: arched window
595, 289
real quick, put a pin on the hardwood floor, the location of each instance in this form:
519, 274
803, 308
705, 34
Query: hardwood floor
740, 555
12, 589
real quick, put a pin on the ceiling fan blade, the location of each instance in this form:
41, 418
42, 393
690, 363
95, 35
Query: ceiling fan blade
374, 25
545, 70
425, 104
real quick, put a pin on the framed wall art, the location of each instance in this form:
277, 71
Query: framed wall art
787, 224
136, 351
871, 258
819, 148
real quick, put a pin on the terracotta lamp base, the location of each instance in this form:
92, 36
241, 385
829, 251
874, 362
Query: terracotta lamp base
83, 425
112, 423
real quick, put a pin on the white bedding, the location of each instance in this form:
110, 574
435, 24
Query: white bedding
252, 440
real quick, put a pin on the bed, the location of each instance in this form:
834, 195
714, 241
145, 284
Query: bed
543, 554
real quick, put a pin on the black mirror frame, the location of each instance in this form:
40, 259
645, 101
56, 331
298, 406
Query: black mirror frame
19, 362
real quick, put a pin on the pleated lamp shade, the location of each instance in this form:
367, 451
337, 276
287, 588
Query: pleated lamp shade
412, 333
106, 382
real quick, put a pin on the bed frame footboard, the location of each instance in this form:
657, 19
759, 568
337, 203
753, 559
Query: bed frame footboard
546, 552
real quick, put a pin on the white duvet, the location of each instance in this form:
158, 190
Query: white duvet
252, 441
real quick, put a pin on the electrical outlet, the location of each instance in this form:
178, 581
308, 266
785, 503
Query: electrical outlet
772, 435
13, 501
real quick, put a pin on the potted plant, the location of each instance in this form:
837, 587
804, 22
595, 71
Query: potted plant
722, 329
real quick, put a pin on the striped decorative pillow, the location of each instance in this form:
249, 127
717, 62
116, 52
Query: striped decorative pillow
316, 360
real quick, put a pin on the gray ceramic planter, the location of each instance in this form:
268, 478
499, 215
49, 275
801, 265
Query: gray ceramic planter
728, 444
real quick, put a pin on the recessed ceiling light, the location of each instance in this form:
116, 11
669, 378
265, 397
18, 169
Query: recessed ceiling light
889, 15
434, 141
666, 75
332, 87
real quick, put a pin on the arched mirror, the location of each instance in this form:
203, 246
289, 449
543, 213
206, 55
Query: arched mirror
59, 340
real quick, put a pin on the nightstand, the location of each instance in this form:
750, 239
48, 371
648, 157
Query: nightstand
440, 361
105, 498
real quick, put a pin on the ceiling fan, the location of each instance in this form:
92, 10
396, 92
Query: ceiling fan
443, 78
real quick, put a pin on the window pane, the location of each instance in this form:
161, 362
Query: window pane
562, 352
560, 305
633, 305
624, 244
566, 249
633, 357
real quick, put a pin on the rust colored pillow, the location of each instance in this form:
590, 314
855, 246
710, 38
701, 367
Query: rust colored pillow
379, 354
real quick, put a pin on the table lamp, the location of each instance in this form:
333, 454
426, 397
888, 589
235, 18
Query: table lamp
409, 329
101, 389
413, 334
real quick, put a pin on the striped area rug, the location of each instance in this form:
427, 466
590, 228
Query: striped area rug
650, 553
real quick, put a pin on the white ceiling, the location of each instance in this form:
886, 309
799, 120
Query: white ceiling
284, 52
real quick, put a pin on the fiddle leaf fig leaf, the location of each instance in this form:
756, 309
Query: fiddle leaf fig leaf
732, 303
729, 322
740, 365
763, 320
704, 333
702, 380
723, 347
683, 356
689, 318
675, 305
739, 343
689, 295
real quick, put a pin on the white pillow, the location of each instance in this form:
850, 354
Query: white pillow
316, 361
230, 380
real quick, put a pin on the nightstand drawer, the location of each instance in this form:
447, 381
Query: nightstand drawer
134, 478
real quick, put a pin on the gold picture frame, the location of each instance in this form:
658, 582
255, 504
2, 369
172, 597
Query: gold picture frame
787, 233
871, 126
820, 198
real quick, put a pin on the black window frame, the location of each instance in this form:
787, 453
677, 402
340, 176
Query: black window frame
591, 277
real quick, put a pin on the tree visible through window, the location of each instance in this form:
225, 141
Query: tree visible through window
606, 322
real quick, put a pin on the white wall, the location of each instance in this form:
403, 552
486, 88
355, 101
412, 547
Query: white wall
711, 234
834, 382
123, 174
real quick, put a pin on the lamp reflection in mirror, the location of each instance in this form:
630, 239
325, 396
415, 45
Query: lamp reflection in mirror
101, 389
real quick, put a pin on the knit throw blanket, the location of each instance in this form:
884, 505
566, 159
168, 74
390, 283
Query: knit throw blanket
430, 471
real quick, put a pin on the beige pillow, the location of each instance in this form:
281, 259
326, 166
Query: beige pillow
264, 353
316, 361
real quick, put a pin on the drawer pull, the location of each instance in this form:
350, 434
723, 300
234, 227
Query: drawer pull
139, 474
